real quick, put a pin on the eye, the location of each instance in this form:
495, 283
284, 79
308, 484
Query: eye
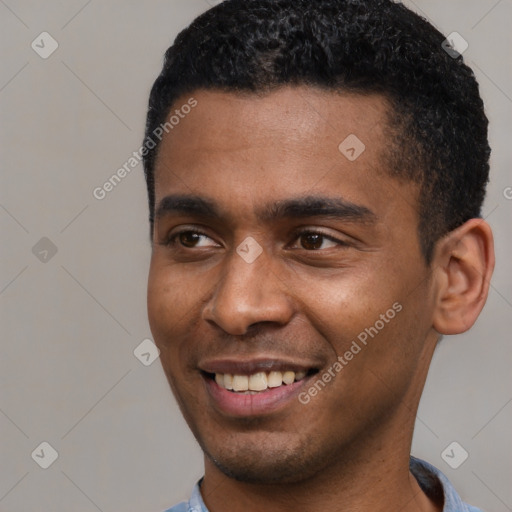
189, 239
315, 240
309, 240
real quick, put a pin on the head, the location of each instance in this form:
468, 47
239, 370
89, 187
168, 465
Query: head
346, 117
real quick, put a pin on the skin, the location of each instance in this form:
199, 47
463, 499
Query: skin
348, 448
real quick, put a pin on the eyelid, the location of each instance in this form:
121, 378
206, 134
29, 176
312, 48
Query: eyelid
171, 239
316, 231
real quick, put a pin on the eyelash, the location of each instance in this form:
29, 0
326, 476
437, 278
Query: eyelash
171, 241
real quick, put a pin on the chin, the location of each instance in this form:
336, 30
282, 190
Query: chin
265, 462
262, 472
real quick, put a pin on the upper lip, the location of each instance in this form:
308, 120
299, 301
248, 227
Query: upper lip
251, 366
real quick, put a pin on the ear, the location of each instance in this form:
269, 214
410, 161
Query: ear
463, 266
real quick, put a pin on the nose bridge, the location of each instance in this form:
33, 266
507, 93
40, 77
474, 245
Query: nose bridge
247, 292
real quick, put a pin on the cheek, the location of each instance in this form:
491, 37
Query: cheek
343, 305
174, 307
159, 301
169, 296
166, 311
370, 318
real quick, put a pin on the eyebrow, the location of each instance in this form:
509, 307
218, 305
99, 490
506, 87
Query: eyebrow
300, 207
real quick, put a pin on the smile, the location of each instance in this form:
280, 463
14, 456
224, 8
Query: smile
256, 387
257, 382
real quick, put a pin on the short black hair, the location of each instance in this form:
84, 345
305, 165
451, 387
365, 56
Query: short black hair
437, 121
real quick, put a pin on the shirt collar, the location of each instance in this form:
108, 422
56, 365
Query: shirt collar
196, 503
433, 483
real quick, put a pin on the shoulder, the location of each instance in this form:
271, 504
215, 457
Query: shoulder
180, 507
195, 504
437, 486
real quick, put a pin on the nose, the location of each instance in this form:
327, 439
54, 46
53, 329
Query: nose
248, 294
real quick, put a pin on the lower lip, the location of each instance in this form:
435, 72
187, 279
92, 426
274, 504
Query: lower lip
264, 402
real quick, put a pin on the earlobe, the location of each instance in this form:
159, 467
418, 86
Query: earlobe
463, 263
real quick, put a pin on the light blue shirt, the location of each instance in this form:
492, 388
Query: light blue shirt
430, 479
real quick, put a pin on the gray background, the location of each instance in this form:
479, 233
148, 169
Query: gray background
70, 323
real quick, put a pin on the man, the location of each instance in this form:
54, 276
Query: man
315, 174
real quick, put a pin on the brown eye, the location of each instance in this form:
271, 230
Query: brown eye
189, 238
314, 241
311, 241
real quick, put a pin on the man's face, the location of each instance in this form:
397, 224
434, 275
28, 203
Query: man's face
323, 279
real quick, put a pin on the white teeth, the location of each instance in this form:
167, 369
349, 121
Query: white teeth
288, 377
275, 379
240, 382
228, 380
259, 381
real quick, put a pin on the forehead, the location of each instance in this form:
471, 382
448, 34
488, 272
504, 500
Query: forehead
292, 141
295, 116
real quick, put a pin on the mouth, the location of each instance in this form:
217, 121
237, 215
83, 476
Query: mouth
254, 388
258, 382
